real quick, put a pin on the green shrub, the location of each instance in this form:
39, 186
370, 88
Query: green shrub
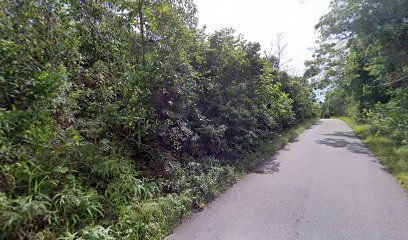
100, 139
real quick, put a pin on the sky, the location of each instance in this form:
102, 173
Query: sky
261, 21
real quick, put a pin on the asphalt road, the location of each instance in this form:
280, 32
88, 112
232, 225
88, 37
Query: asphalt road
324, 185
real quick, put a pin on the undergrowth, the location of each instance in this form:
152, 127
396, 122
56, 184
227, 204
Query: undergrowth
108, 131
208, 185
130, 207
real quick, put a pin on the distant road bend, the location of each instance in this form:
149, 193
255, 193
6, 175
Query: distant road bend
325, 185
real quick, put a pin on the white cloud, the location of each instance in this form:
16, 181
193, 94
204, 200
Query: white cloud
261, 20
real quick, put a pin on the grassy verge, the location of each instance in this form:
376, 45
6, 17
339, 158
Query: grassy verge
393, 156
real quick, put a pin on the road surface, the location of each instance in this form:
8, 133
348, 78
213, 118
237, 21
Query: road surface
324, 185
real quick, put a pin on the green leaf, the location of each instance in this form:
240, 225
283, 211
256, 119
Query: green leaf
60, 169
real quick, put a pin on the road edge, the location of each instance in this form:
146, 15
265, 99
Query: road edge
387, 154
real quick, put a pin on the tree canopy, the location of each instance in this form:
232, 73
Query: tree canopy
363, 60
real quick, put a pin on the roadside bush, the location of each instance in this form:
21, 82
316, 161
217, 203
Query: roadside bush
110, 132
391, 118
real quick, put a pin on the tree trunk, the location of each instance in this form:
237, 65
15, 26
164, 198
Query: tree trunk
142, 31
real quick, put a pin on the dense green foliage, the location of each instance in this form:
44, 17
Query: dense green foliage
363, 60
119, 117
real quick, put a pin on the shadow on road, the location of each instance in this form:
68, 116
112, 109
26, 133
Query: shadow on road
268, 167
314, 125
348, 134
293, 141
352, 146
